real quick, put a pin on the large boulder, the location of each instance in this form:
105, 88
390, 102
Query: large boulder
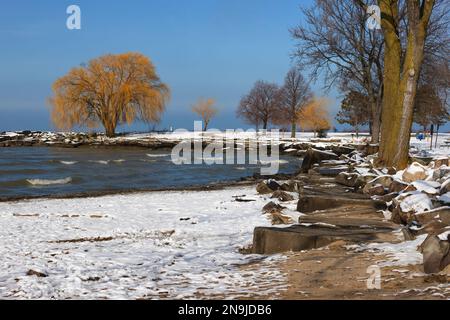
307, 204
340, 150
272, 207
347, 179
435, 227
332, 171
414, 172
435, 250
263, 188
397, 186
368, 149
274, 185
268, 186
282, 196
423, 160
387, 197
377, 190
289, 186
416, 202
311, 236
407, 205
363, 179
441, 214
441, 172
445, 187
314, 156
428, 187
445, 198
440, 161
384, 181
278, 218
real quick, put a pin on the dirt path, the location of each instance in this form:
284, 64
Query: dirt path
338, 274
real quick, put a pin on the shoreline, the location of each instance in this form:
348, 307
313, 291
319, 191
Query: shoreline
243, 182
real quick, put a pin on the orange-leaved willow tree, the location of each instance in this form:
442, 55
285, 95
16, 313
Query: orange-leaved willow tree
109, 91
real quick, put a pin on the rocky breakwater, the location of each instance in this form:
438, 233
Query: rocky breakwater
345, 197
75, 140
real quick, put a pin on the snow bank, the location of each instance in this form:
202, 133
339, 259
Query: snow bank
146, 245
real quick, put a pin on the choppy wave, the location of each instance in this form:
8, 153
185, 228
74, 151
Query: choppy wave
68, 163
119, 160
104, 162
273, 161
48, 182
158, 155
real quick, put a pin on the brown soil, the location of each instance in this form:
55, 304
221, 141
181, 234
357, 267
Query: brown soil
334, 273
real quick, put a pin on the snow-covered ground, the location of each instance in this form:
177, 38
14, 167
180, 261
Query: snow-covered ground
399, 254
143, 245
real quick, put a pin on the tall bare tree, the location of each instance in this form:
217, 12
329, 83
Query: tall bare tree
429, 109
403, 61
294, 95
354, 111
336, 43
431, 106
206, 110
260, 105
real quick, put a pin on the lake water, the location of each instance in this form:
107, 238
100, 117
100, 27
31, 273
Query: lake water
26, 172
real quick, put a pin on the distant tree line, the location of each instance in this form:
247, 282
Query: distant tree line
291, 104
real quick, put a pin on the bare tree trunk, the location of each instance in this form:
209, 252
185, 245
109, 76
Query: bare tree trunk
400, 79
376, 122
293, 130
110, 130
437, 136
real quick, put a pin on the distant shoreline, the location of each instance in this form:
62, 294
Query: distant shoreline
76, 140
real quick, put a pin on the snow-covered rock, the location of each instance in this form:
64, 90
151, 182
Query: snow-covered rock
441, 214
445, 198
417, 202
436, 255
397, 186
385, 181
429, 187
415, 172
445, 187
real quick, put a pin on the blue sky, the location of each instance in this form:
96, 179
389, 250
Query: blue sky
201, 48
